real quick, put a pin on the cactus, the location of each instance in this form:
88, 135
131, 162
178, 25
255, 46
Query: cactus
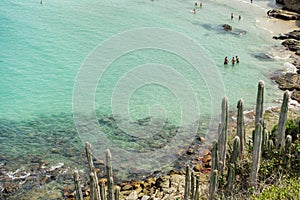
95, 190
233, 162
197, 193
89, 156
223, 134
230, 177
77, 186
117, 195
288, 150
282, 122
192, 185
215, 159
187, 187
236, 150
259, 102
213, 185
240, 129
102, 190
256, 153
110, 180
265, 140
270, 145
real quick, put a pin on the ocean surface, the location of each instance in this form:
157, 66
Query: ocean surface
45, 47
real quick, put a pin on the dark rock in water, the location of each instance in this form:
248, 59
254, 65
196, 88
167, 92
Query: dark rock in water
262, 56
281, 37
283, 14
292, 44
227, 27
280, 1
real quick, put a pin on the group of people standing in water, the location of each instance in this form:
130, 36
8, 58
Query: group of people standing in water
196, 4
234, 60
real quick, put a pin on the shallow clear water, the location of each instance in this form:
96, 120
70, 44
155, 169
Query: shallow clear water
43, 47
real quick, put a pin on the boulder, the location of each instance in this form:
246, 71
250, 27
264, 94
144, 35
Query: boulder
296, 95
292, 44
283, 14
227, 27
293, 5
288, 81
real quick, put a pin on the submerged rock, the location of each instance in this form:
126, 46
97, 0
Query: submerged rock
227, 27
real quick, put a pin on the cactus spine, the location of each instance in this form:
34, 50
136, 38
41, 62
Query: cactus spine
240, 125
257, 140
259, 101
280, 137
110, 180
223, 134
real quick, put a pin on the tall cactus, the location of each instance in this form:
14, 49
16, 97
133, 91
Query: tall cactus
213, 185
197, 193
95, 190
89, 156
233, 162
257, 140
215, 157
223, 134
280, 137
77, 186
187, 187
240, 125
117, 196
110, 180
288, 150
259, 101
192, 185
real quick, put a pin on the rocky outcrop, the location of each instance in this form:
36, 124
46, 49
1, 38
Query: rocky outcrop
283, 14
227, 27
291, 81
293, 5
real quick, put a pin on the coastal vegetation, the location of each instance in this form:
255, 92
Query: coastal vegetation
262, 165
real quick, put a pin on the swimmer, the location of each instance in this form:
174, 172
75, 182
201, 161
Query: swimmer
196, 3
240, 17
231, 15
200, 4
232, 61
194, 10
41, 2
237, 59
226, 60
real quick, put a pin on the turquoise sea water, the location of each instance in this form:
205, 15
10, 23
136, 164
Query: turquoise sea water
43, 46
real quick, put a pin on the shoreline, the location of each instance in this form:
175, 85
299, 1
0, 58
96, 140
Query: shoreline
179, 175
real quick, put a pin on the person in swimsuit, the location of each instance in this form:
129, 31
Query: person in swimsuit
237, 59
232, 61
226, 60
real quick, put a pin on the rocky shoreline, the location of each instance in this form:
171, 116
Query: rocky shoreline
290, 80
